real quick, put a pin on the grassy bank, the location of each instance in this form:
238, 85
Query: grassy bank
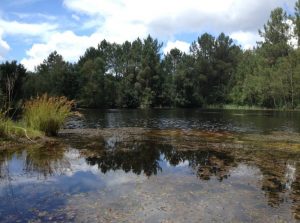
246, 107
42, 116
14, 130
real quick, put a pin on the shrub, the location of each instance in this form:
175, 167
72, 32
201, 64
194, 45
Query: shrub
47, 114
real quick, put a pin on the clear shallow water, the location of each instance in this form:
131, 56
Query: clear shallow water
159, 176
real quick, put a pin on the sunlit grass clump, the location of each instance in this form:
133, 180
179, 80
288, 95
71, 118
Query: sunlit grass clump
11, 129
5, 126
47, 114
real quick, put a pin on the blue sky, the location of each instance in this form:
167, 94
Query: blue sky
31, 29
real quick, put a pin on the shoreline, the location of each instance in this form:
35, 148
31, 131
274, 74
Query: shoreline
221, 108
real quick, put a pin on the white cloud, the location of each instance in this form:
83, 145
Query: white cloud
181, 45
35, 16
180, 164
68, 44
246, 39
75, 17
168, 18
294, 39
121, 20
4, 47
27, 29
16, 28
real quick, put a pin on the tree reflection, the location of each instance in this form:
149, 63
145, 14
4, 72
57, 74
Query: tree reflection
280, 170
46, 161
295, 194
40, 161
141, 158
145, 157
206, 162
274, 169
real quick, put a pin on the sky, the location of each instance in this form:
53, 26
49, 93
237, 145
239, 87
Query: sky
31, 29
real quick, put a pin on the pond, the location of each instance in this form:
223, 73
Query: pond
158, 166
213, 120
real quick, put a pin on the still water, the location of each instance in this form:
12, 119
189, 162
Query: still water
158, 166
213, 120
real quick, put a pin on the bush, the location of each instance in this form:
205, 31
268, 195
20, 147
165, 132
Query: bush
47, 114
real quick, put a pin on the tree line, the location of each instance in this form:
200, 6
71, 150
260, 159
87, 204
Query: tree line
215, 71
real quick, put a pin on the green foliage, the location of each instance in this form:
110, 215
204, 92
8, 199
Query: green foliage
11, 129
55, 77
4, 126
269, 75
136, 75
12, 78
276, 36
296, 21
47, 114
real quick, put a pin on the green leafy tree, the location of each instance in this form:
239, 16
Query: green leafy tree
149, 77
297, 21
12, 78
276, 35
170, 68
92, 94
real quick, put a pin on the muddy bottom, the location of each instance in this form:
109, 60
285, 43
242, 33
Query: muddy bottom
148, 175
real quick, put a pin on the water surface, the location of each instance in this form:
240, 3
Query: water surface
178, 166
213, 120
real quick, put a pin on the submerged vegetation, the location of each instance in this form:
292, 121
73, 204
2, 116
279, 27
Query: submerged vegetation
162, 168
216, 71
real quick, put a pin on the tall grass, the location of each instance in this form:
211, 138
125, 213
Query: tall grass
4, 125
11, 129
47, 114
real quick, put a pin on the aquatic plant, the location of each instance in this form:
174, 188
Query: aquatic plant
47, 114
